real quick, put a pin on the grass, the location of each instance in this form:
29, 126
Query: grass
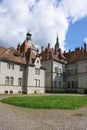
47, 102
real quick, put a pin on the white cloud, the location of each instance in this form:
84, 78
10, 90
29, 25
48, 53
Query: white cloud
45, 18
74, 9
85, 40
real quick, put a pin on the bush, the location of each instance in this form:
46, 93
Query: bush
85, 90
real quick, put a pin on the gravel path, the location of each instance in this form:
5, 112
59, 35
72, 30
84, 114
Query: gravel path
15, 118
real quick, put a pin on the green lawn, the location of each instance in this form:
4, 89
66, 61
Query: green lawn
47, 102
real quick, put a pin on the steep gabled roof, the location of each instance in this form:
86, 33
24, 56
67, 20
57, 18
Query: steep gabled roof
12, 55
50, 54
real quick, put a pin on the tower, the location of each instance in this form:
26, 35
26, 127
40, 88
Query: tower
57, 44
28, 38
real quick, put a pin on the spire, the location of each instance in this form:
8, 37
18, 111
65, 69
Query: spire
57, 43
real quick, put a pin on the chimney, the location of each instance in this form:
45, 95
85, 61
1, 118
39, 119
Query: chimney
48, 46
27, 55
60, 53
18, 47
69, 50
82, 51
55, 50
84, 47
42, 49
46, 52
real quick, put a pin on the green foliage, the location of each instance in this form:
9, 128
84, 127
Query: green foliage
85, 90
48, 102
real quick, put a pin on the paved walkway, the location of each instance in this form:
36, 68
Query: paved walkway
15, 118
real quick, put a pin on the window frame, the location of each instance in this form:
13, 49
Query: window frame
37, 82
19, 81
11, 81
7, 80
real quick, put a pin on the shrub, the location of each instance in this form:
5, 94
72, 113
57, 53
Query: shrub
85, 90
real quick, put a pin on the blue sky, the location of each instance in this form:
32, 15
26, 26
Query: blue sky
44, 18
76, 34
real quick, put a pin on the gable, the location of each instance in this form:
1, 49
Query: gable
37, 62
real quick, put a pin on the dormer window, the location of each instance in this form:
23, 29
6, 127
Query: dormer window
37, 61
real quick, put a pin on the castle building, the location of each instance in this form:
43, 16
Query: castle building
21, 70
55, 62
66, 71
25, 70
76, 69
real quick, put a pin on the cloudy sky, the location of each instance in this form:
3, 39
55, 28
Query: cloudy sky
45, 19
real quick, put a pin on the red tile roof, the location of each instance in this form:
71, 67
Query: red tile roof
50, 54
12, 55
76, 55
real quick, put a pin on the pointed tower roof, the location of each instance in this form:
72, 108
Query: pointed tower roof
57, 42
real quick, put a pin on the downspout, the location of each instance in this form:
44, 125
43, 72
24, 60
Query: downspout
26, 82
27, 69
51, 76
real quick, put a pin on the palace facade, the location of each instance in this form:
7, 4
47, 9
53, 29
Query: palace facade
25, 70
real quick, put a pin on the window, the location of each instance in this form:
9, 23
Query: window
20, 67
72, 84
10, 66
7, 80
11, 79
55, 84
6, 92
59, 71
59, 84
19, 81
68, 72
37, 61
56, 69
68, 84
11, 92
37, 82
37, 71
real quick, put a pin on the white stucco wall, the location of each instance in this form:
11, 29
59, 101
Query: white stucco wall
57, 77
15, 73
32, 76
80, 77
48, 78
82, 66
82, 74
